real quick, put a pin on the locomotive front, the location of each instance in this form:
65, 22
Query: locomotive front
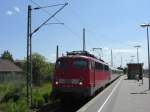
71, 77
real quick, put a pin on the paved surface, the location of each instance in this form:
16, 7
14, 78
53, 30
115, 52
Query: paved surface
114, 76
121, 96
132, 97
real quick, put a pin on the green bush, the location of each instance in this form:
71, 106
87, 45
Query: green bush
41, 95
14, 97
38, 99
22, 105
11, 92
46, 97
19, 106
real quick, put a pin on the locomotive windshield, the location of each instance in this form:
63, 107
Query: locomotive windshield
80, 64
61, 64
75, 63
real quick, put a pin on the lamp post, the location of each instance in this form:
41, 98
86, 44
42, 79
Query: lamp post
147, 26
137, 46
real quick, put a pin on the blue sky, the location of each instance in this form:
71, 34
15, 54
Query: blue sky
109, 24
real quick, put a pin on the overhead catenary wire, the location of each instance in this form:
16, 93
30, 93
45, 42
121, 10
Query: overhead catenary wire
48, 6
89, 30
49, 19
78, 36
66, 26
84, 24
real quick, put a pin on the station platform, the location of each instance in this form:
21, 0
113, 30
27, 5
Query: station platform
122, 95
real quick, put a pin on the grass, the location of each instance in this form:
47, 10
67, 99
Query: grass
12, 98
10, 106
44, 88
41, 95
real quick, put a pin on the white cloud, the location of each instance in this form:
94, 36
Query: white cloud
9, 13
123, 50
52, 57
118, 50
132, 44
16, 9
106, 48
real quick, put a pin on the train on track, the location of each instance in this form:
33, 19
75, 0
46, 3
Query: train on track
80, 74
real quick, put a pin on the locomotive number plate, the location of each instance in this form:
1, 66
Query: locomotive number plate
69, 81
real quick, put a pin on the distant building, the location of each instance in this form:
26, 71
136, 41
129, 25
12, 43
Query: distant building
135, 70
9, 71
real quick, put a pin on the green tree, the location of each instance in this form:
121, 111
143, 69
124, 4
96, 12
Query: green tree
40, 68
7, 55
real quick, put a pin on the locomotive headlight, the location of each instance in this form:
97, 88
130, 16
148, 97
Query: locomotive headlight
56, 82
80, 83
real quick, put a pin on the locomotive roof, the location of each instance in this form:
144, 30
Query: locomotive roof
83, 57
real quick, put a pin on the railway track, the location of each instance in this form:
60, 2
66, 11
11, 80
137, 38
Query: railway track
50, 106
68, 106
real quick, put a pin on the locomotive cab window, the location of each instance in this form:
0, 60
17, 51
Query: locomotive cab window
106, 68
80, 64
61, 64
98, 66
92, 64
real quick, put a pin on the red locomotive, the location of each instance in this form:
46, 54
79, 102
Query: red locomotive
79, 74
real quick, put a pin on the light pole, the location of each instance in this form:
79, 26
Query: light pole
147, 26
137, 46
121, 62
111, 58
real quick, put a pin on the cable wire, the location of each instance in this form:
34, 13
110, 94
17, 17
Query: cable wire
66, 26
